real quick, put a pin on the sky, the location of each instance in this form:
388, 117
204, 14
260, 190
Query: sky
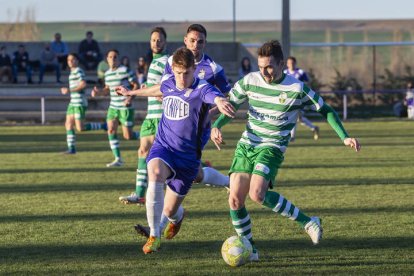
215, 10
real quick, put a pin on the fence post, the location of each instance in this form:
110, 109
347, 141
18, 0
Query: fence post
42, 107
345, 107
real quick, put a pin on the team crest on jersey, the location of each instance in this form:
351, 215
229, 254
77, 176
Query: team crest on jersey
262, 168
283, 97
175, 108
201, 74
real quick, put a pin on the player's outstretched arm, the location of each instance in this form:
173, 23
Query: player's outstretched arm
153, 91
225, 107
353, 143
217, 137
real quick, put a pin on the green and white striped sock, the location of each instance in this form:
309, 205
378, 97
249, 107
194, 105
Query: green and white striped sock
71, 139
242, 224
114, 144
284, 207
142, 175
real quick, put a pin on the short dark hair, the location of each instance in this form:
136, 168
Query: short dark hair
75, 55
112, 50
159, 30
271, 48
292, 58
183, 57
89, 33
197, 28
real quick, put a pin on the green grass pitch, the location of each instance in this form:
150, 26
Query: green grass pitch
60, 214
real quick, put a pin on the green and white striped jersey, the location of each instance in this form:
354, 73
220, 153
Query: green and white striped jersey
77, 98
273, 108
117, 77
155, 71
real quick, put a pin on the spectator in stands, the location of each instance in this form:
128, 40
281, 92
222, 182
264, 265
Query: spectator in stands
5, 65
409, 100
49, 61
100, 71
60, 49
21, 63
125, 62
141, 70
245, 67
89, 52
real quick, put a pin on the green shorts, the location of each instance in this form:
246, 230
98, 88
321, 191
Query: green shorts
263, 161
125, 116
79, 112
149, 127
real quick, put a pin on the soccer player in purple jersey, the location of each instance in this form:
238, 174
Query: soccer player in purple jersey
174, 158
299, 74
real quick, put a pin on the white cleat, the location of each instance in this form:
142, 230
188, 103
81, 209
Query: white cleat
254, 257
314, 230
132, 199
116, 163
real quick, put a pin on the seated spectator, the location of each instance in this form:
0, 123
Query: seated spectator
102, 68
125, 62
141, 70
5, 65
60, 49
49, 61
245, 67
21, 64
89, 52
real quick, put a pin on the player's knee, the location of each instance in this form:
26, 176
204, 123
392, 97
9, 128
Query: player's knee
169, 212
235, 203
111, 131
142, 152
200, 176
256, 196
127, 136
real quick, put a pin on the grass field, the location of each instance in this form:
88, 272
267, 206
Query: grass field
60, 214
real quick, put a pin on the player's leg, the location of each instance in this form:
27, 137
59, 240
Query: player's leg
70, 132
158, 171
210, 176
304, 121
127, 120
112, 122
173, 210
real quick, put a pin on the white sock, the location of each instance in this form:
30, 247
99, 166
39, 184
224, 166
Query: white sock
215, 178
163, 222
155, 205
178, 216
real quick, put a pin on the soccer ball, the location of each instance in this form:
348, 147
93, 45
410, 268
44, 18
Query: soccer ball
236, 251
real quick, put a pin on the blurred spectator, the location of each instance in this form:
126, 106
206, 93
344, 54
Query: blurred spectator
125, 62
141, 70
5, 65
294, 71
409, 100
102, 68
60, 49
49, 61
89, 52
245, 67
21, 64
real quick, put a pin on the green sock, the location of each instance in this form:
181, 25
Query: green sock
141, 183
282, 206
71, 139
114, 143
242, 224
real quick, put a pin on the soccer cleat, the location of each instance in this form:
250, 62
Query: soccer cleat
116, 163
172, 229
316, 133
142, 230
132, 199
69, 152
314, 229
152, 245
254, 257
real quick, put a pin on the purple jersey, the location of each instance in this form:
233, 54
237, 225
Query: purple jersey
298, 74
181, 128
208, 70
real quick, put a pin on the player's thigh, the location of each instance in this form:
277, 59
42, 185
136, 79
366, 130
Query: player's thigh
171, 202
158, 171
239, 189
79, 125
127, 132
258, 188
70, 121
112, 126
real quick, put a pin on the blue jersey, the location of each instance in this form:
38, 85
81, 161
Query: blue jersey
208, 70
298, 74
181, 128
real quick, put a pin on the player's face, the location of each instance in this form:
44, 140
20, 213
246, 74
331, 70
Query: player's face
195, 42
72, 61
290, 64
184, 77
157, 43
269, 68
112, 59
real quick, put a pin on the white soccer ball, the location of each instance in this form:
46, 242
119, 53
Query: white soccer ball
236, 251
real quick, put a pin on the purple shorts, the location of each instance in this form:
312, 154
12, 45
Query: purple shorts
184, 171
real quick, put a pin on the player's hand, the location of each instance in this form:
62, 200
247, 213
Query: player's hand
143, 85
128, 101
159, 98
64, 90
121, 91
95, 91
353, 143
225, 106
216, 137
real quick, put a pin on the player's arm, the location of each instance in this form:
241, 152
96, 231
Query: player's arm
97, 92
153, 91
80, 87
211, 95
333, 120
